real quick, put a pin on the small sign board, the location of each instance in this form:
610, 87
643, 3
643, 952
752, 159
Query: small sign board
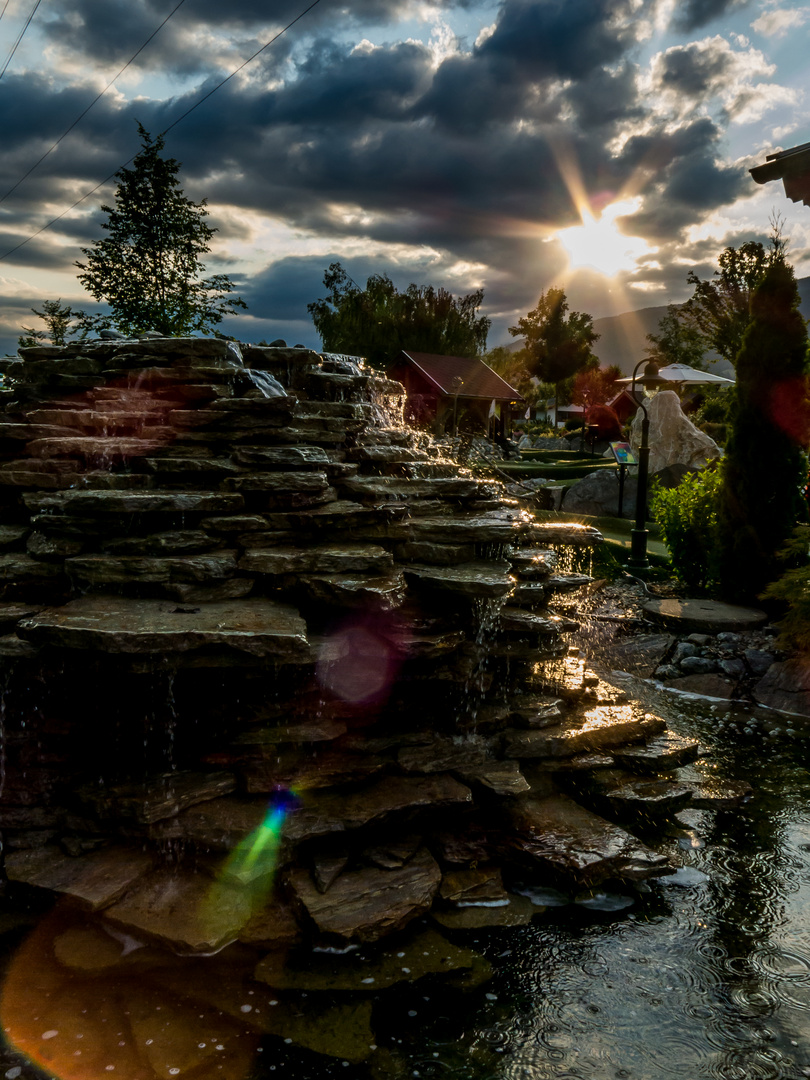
623, 453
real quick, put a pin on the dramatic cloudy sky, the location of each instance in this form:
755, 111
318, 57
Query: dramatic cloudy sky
463, 143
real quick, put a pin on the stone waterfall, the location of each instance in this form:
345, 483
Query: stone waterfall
263, 643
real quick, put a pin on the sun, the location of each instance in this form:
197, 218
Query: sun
598, 245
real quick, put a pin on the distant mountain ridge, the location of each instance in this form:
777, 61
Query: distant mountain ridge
623, 338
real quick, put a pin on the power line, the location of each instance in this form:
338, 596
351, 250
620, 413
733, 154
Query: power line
92, 103
19, 38
182, 116
2, 13
228, 78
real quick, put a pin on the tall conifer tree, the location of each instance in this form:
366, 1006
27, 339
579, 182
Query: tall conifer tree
765, 467
148, 268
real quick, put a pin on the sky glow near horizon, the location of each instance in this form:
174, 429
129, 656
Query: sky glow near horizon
598, 145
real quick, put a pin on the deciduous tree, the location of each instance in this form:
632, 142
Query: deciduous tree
149, 266
62, 322
678, 341
557, 342
719, 310
379, 321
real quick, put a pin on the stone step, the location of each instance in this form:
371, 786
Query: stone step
569, 534
118, 624
533, 563
151, 569
434, 554
666, 751
575, 845
287, 457
157, 798
136, 502
514, 620
187, 467
375, 488
185, 910
110, 449
474, 579
94, 881
601, 728
382, 593
278, 482
367, 904
321, 559
497, 528
622, 794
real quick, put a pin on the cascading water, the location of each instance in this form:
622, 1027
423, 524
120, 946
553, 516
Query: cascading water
325, 592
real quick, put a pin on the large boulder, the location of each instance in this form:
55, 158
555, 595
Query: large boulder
673, 438
598, 494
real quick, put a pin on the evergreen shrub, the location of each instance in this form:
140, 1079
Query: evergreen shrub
687, 518
792, 591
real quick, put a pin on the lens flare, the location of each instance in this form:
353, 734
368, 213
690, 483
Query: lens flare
359, 662
253, 861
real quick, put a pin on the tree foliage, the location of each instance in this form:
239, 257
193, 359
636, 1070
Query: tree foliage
594, 385
558, 342
792, 591
379, 321
512, 366
766, 462
719, 310
677, 342
62, 322
149, 265
687, 518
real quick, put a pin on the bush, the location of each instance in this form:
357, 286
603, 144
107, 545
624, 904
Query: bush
687, 517
573, 424
718, 432
792, 591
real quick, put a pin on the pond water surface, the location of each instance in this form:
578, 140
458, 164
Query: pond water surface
706, 974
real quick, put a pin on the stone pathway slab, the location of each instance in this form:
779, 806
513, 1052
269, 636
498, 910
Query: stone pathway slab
706, 616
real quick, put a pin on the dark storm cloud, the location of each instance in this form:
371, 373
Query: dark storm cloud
690, 189
108, 33
278, 292
468, 94
559, 38
694, 71
691, 15
606, 98
362, 87
465, 160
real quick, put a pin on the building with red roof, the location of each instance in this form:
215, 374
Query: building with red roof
447, 393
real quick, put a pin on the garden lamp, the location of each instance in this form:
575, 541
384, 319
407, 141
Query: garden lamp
650, 380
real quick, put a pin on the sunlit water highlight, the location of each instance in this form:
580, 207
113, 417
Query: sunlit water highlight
706, 975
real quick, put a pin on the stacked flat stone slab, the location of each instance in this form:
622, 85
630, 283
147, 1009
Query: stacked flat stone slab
244, 605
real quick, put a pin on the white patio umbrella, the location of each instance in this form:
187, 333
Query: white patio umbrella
684, 375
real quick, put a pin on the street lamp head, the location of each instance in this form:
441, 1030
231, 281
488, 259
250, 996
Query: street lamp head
650, 380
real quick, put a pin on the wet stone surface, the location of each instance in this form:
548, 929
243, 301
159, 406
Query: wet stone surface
320, 683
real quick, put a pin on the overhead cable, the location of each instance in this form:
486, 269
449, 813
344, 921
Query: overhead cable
244, 64
182, 116
98, 96
19, 37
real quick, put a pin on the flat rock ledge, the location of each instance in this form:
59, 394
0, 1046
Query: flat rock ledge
703, 615
116, 624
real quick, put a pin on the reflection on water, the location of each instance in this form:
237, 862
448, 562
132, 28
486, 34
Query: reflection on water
706, 975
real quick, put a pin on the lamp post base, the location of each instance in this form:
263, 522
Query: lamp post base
638, 549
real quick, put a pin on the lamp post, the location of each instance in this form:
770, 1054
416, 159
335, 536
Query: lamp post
650, 380
456, 384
